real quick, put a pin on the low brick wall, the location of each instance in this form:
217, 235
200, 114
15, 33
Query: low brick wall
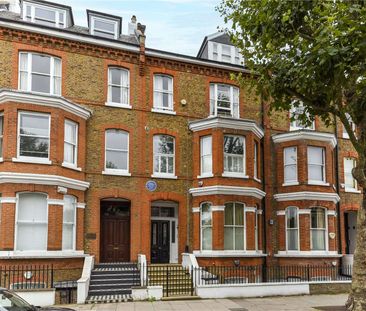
330, 288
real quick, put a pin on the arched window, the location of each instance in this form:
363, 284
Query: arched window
234, 228
69, 223
318, 229
206, 226
164, 155
116, 151
292, 229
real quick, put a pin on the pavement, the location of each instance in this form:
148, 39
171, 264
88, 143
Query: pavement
289, 303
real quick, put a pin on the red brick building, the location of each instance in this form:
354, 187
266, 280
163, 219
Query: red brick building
113, 149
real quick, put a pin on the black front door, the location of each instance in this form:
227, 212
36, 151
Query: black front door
160, 241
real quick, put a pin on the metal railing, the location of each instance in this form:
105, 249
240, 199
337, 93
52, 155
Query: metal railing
271, 274
26, 276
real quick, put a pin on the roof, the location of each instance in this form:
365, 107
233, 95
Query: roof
11, 16
221, 37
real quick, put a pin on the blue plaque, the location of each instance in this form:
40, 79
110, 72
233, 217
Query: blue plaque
151, 185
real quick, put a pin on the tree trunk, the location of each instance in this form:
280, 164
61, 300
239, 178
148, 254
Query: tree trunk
357, 297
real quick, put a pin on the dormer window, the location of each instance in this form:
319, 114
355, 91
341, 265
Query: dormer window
224, 100
44, 15
104, 25
224, 53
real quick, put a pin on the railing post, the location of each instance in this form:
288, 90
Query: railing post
167, 282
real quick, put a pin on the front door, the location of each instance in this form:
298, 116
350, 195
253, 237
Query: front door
160, 241
115, 234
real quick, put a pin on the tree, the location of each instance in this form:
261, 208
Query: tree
311, 53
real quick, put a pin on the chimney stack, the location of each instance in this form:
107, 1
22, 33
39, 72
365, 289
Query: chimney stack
10, 5
132, 26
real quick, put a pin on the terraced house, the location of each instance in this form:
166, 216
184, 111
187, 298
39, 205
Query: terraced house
114, 149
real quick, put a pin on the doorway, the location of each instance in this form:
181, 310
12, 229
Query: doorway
115, 231
351, 226
164, 232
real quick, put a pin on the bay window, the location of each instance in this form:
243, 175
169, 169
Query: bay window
69, 223
349, 181
234, 227
164, 155
234, 155
31, 222
33, 135
290, 165
292, 229
316, 165
163, 92
224, 100
116, 151
39, 73
206, 226
118, 87
318, 229
70, 143
206, 155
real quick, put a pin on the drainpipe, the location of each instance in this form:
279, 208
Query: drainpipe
338, 188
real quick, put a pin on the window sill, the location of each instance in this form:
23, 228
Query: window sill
40, 93
301, 128
257, 180
223, 253
116, 173
164, 176
41, 254
318, 183
116, 105
351, 190
32, 160
291, 183
71, 167
205, 176
1, 160
157, 110
235, 175
307, 254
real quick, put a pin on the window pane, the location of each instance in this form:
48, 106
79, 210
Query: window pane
315, 155
57, 67
23, 65
292, 240
234, 145
290, 173
69, 209
45, 14
229, 214
290, 155
318, 239
32, 237
69, 153
33, 147
41, 64
67, 237
70, 132
163, 144
291, 214
116, 94
116, 139
41, 83
104, 25
239, 214
116, 160
318, 218
239, 238
229, 238
32, 207
316, 172
206, 215
34, 125
207, 238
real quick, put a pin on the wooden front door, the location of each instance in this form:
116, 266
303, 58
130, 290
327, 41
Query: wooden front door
115, 233
160, 241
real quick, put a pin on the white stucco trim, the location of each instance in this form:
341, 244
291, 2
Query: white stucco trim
223, 253
227, 190
42, 179
305, 134
332, 213
230, 123
281, 213
307, 195
308, 254
250, 209
40, 254
196, 209
8, 200
55, 202
219, 208
80, 205
43, 100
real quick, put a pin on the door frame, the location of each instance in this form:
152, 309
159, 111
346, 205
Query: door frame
173, 249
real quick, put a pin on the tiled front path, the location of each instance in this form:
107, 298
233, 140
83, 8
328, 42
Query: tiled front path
297, 303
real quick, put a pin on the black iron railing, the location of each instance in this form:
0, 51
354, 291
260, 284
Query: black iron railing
26, 276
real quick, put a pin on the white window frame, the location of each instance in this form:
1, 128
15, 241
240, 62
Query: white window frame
74, 224
285, 165
297, 228
110, 85
214, 99
244, 226
256, 161
205, 226
326, 240
75, 145
58, 22
354, 188
256, 226
205, 157
215, 48
157, 107
112, 171
104, 20
2, 138
293, 125
323, 167
29, 72
353, 126
16, 220
159, 174
34, 159
235, 174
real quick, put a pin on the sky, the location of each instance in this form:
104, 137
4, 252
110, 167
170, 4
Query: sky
172, 25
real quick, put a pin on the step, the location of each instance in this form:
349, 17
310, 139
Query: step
108, 298
114, 281
115, 274
114, 291
111, 286
183, 297
118, 269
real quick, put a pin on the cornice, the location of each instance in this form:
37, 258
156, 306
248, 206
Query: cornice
307, 195
305, 135
43, 179
44, 100
230, 123
227, 190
